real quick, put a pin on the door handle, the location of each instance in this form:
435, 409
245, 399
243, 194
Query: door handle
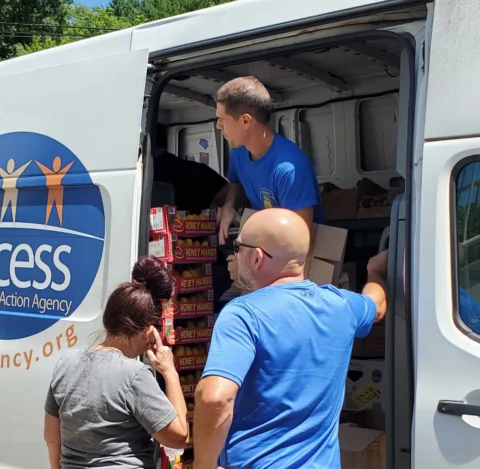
458, 408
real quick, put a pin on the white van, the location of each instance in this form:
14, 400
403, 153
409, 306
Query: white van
384, 89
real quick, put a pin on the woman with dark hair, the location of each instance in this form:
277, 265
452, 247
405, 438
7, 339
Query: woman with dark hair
103, 406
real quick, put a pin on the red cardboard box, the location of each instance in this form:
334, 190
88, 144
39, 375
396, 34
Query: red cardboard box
188, 390
192, 280
188, 251
190, 362
161, 247
195, 225
161, 220
197, 334
190, 306
180, 463
190, 379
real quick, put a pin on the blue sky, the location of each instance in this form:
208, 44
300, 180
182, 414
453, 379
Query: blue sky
94, 3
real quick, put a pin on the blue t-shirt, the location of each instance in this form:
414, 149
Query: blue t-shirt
284, 177
288, 347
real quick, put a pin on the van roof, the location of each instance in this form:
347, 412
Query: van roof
202, 29
246, 19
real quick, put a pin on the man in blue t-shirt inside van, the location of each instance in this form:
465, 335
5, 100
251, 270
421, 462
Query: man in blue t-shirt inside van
272, 171
273, 386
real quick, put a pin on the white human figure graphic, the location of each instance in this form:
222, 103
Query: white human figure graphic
9, 185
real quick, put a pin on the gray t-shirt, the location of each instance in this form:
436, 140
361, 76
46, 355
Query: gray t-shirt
109, 406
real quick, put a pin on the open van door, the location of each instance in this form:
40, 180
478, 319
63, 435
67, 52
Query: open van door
447, 355
70, 193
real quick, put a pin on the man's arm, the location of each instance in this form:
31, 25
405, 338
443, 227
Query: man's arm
52, 439
370, 306
375, 287
228, 214
235, 335
214, 400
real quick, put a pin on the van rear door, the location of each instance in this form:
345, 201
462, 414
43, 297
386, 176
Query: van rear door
447, 352
69, 146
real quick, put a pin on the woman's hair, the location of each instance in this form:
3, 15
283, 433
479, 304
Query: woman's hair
137, 304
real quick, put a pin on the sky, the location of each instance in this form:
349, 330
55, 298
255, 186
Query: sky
94, 3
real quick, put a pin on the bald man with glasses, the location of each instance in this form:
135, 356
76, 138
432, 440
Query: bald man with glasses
272, 389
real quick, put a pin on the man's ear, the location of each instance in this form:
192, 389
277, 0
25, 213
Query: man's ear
246, 120
259, 258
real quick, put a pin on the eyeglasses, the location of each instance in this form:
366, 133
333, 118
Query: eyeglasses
237, 245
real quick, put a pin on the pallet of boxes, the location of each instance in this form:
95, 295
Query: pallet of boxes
362, 440
190, 244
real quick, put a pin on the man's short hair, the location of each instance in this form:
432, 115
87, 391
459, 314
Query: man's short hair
246, 95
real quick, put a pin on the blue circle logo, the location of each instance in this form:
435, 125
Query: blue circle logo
52, 230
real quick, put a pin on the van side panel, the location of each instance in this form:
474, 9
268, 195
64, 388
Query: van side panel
452, 109
69, 139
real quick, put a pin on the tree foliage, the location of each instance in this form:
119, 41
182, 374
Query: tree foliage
33, 25
20, 18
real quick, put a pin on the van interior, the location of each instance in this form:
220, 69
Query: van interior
348, 106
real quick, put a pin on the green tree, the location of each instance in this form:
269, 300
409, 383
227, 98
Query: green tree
82, 22
73, 22
21, 20
133, 10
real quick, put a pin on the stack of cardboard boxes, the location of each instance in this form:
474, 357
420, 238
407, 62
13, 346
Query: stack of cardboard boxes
188, 242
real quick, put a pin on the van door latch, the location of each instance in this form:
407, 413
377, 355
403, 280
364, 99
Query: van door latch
458, 408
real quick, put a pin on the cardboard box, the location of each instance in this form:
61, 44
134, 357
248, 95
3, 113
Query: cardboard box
195, 225
191, 306
190, 362
194, 334
340, 204
189, 381
374, 212
372, 419
161, 247
181, 462
161, 219
373, 346
188, 251
188, 390
361, 448
365, 385
324, 265
191, 279
367, 200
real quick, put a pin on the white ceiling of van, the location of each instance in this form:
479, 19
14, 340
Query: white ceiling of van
335, 68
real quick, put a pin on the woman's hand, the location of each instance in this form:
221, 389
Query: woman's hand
161, 357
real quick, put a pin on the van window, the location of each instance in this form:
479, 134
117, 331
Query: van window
467, 193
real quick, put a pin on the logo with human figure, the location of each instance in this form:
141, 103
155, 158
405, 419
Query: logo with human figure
52, 230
